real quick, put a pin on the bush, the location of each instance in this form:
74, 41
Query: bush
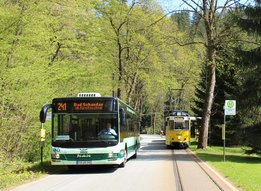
254, 139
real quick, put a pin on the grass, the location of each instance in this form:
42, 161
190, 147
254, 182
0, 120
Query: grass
241, 169
16, 173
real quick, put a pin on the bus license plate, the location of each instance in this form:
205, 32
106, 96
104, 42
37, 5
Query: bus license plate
84, 162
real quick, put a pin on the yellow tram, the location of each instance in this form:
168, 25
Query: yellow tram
178, 125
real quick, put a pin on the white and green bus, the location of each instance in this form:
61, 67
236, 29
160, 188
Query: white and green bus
76, 126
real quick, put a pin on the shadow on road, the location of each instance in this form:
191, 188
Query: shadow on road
47, 168
154, 150
232, 158
154, 146
96, 169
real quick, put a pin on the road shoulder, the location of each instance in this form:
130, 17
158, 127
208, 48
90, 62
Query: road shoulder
220, 180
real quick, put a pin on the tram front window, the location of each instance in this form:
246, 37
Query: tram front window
181, 125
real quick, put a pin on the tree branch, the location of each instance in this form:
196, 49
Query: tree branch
185, 44
55, 55
193, 8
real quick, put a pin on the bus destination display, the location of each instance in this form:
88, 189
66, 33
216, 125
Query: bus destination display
87, 106
78, 106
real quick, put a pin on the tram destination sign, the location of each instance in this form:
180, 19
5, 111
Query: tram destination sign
230, 107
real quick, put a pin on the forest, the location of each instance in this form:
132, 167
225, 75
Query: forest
133, 50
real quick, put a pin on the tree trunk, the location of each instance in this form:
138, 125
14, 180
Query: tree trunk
209, 21
131, 86
120, 68
203, 135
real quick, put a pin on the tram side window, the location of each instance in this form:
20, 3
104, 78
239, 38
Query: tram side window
187, 124
171, 124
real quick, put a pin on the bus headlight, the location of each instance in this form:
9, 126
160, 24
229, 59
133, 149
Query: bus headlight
55, 156
112, 155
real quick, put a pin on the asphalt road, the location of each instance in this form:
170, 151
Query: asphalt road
154, 169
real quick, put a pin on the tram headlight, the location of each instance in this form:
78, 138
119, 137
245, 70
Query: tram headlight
55, 156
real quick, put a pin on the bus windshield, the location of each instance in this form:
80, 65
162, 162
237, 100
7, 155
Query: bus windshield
85, 130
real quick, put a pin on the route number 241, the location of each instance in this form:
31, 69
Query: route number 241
61, 107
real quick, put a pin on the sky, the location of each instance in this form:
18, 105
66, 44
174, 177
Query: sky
170, 5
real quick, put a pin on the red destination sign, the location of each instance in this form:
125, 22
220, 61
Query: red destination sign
86, 106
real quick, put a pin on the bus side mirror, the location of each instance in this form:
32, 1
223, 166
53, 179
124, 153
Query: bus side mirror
43, 112
122, 117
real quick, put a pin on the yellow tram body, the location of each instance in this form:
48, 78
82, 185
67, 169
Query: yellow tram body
178, 138
178, 131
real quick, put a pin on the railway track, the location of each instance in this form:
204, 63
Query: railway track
178, 182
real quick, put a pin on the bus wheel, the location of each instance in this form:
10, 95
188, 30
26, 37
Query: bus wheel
122, 165
135, 155
136, 150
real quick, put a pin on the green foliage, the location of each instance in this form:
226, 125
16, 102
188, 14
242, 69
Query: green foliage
46, 53
59, 48
248, 60
237, 62
253, 140
182, 20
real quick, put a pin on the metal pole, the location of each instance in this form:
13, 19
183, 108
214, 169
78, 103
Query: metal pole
41, 155
224, 138
42, 143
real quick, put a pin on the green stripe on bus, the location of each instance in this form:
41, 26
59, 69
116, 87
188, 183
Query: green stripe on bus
87, 157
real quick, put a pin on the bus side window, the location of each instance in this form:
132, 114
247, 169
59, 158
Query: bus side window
122, 117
